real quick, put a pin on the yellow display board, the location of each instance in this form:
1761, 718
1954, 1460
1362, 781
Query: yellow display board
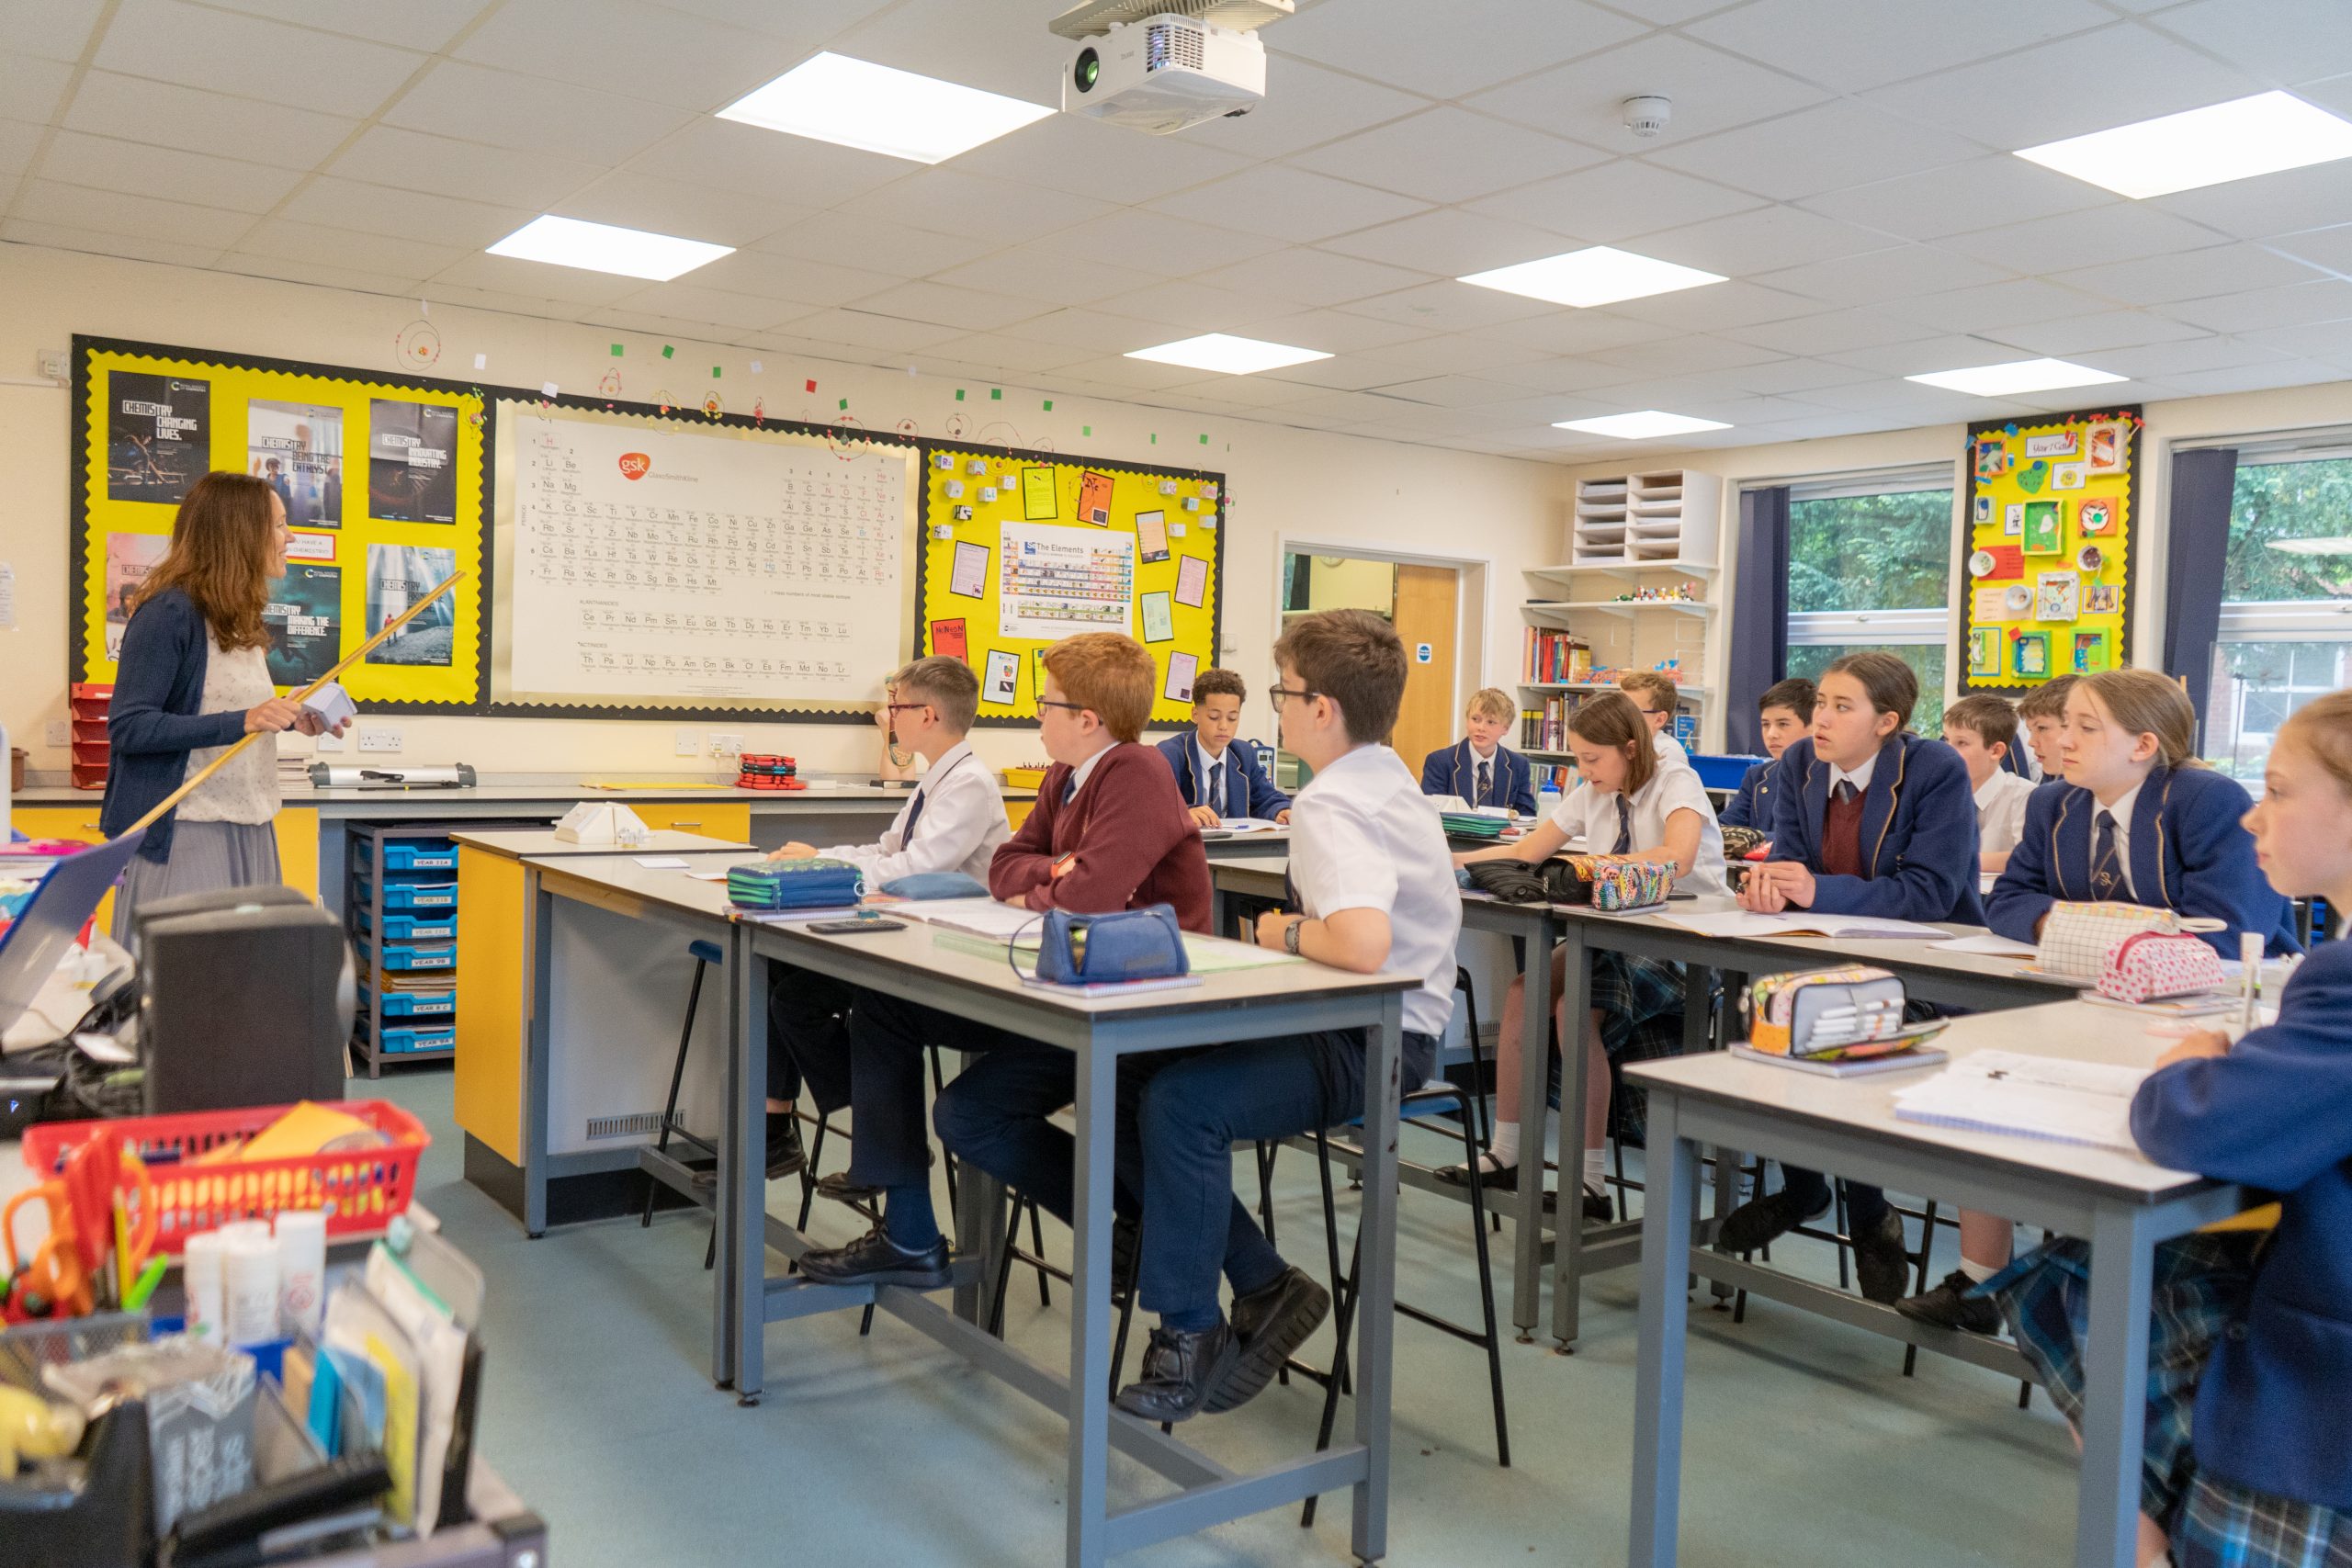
1022, 549
383, 480
2051, 509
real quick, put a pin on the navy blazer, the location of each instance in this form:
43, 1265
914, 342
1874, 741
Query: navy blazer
2188, 854
1919, 832
152, 723
2276, 1114
1248, 791
1454, 770
1751, 803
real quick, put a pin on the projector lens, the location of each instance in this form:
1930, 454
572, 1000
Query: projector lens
1088, 71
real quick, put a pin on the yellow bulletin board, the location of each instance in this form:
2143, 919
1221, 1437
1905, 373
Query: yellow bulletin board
1024, 548
2052, 506
382, 477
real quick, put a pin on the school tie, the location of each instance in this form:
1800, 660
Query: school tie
1215, 796
1069, 788
1846, 792
2105, 878
1624, 827
914, 814
1485, 782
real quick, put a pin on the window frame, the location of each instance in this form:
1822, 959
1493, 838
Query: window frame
1925, 624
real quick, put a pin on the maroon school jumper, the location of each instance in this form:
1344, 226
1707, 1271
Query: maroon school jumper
1841, 837
1135, 843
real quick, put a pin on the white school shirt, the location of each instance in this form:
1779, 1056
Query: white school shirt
1362, 835
1670, 750
963, 822
1860, 777
1592, 815
2000, 810
2122, 810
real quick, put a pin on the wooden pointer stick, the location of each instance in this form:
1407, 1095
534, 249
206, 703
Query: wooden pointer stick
353, 657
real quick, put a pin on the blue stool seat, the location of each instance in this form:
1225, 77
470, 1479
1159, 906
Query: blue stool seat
708, 952
1437, 1099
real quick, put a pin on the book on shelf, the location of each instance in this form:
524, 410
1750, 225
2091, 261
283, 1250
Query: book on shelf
1552, 656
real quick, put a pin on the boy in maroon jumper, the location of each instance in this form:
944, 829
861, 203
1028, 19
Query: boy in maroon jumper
1109, 832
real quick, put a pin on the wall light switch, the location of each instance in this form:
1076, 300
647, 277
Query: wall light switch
686, 743
61, 732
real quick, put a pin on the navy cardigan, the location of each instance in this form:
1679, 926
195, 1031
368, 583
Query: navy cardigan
2276, 1114
2189, 855
1751, 804
1248, 791
152, 723
1454, 770
1919, 832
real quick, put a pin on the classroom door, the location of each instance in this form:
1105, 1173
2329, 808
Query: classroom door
1428, 603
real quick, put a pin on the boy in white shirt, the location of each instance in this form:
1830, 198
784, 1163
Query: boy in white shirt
1375, 887
1656, 696
1982, 729
1629, 802
954, 822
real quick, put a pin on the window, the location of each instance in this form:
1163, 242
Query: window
2286, 612
1870, 568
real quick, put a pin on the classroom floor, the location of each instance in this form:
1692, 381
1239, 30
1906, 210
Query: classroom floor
1804, 1443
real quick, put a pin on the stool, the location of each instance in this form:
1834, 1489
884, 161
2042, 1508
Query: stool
707, 956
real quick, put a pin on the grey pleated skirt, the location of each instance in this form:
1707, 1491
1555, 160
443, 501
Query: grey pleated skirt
203, 855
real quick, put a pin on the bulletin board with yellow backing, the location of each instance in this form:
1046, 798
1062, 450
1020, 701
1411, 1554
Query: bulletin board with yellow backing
382, 480
2052, 506
1024, 548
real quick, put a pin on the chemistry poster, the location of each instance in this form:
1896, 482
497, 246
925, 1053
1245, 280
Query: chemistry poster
159, 436
412, 462
298, 448
305, 620
397, 576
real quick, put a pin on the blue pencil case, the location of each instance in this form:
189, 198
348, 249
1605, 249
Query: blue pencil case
813, 884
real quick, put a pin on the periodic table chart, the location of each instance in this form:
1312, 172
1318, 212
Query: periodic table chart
650, 564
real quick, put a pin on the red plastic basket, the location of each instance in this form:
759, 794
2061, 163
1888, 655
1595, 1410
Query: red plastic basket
360, 1191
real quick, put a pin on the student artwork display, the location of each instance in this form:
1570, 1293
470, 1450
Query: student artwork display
1024, 548
149, 420
2050, 511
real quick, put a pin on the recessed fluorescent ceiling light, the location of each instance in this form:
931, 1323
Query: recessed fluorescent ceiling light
2016, 376
1598, 275
1641, 427
1233, 356
2235, 141
600, 247
830, 98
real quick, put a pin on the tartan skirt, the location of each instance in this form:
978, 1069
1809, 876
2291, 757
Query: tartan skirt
2200, 1287
1640, 1001
2224, 1525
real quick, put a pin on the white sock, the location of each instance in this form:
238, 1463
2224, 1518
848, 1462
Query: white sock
1596, 1169
1978, 1272
1503, 1149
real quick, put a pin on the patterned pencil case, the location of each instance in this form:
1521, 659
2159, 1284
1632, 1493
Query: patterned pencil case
2077, 937
1610, 882
813, 884
2150, 966
1824, 1014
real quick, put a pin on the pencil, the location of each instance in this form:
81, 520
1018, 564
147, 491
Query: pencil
122, 1279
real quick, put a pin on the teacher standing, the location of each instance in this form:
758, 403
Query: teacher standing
194, 679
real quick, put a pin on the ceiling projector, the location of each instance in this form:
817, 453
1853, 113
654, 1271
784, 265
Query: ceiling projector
1163, 71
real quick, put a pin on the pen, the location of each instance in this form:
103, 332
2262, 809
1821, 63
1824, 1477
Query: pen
121, 1251
145, 1286
2249, 975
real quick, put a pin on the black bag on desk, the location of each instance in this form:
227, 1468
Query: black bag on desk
108, 1521
1513, 880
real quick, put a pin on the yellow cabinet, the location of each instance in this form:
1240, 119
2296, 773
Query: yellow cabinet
79, 823
298, 842
712, 818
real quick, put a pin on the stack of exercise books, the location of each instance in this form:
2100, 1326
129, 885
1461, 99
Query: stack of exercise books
1474, 826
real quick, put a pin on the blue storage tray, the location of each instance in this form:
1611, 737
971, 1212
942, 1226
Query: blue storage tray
410, 1004
419, 855
1721, 772
417, 1037
434, 926
401, 955
413, 895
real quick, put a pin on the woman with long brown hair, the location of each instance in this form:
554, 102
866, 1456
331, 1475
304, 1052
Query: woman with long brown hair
193, 680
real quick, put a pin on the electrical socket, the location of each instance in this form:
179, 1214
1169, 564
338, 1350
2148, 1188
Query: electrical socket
52, 363
726, 745
61, 732
378, 738
686, 743
326, 742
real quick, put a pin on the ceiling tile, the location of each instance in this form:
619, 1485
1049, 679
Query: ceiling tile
1398, 42
247, 264
2032, 95
112, 212
1578, 332
2268, 204
56, 236
2277, 41
1153, 243
1829, 147
1849, 45
1335, 332
198, 46
412, 24
980, 46
1716, 307
2189, 275
1200, 308
1450, 243
1450, 307
694, 301
2256, 378
344, 248
54, 29
1691, 352
537, 280
671, 386
768, 164
868, 329
1831, 333
1953, 200
1046, 273
966, 308
166, 115
1348, 373
2121, 232
630, 201
1458, 354
31, 87
1994, 305
1795, 376
773, 277
955, 203
1448, 154
1092, 330
631, 48
96, 162
844, 239
386, 156
1291, 204
2328, 341
1305, 276
2070, 337
1556, 376
805, 24
2329, 299
19, 141
441, 292
1130, 374
1085, 157
2161, 361
1022, 355
1951, 352
2328, 248
1770, 238
506, 108
1876, 276
1712, 91
405, 214
1614, 201
1305, 106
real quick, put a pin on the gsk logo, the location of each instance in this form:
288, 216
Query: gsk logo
636, 465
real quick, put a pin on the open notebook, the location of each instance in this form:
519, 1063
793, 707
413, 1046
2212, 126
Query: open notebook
2032, 1097
1843, 928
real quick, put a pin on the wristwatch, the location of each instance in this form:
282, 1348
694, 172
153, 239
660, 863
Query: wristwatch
1290, 935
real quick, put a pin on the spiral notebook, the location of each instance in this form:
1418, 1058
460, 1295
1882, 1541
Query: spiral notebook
2061, 1101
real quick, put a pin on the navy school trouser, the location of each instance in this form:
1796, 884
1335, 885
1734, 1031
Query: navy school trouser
808, 1037
1810, 1190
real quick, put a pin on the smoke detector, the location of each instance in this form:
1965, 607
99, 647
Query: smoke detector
1646, 115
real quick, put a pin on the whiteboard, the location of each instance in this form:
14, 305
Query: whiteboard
646, 563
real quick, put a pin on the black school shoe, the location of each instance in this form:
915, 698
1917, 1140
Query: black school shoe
839, 1188
1880, 1266
785, 1156
1268, 1326
1950, 1306
1759, 1222
874, 1260
1178, 1372
1495, 1178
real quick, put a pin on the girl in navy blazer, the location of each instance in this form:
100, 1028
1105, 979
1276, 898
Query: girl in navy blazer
1455, 770
1217, 775
1870, 819
2257, 1335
